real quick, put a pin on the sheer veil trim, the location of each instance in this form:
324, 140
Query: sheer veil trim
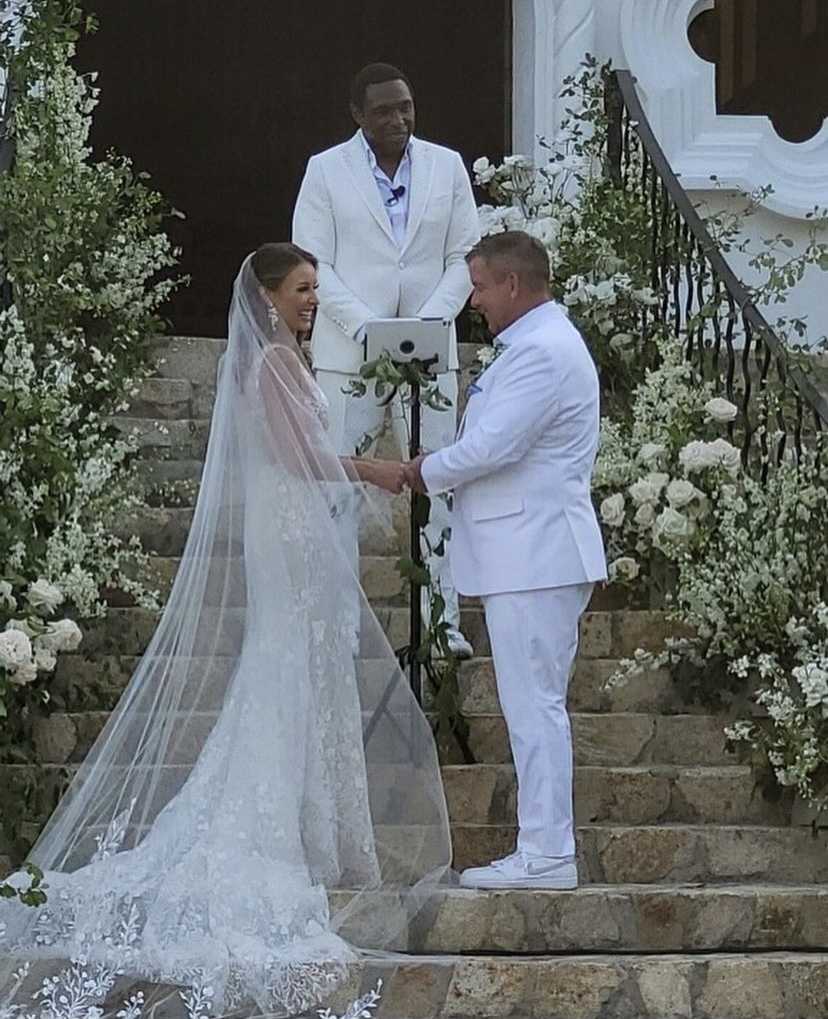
239, 824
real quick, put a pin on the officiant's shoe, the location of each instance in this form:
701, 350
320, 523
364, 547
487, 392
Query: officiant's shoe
458, 645
522, 871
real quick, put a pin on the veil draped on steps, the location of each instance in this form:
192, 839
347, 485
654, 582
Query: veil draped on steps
265, 801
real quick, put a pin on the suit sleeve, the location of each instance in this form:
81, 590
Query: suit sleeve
452, 292
520, 408
314, 229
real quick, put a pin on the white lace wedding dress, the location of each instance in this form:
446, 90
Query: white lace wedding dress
249, 770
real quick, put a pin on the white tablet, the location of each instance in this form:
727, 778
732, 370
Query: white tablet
409, 339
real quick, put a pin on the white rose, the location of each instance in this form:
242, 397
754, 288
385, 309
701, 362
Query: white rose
624, 568
680, 493
6, 596
652, 452
814, 683
604, 291
648, 488
23, 674
64, 635
44, 659
644, 516
612, 510
513, 218
15, 649
727, 455
696, 456
544, 229
483, 170
670, 526
22, 625
44, 597
518, 160
721, 410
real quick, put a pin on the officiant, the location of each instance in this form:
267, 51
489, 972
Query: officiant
391, 218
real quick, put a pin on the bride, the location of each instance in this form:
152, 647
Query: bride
264, 806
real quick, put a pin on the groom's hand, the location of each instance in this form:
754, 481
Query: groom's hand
413, 474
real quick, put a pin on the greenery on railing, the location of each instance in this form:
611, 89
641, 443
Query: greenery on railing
83, 248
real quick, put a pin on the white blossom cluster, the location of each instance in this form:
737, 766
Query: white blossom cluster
84, 252
795, 698
29, 645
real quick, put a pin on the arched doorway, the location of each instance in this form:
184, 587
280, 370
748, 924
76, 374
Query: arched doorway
223, 103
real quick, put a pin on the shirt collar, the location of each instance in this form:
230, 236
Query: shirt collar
512, 332
372, 156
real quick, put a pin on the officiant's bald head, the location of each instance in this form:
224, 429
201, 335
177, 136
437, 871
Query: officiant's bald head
510, 276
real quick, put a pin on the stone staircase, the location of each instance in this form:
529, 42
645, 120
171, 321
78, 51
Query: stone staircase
699, 900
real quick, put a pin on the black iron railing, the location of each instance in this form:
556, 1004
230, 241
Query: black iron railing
701, 301
6, 161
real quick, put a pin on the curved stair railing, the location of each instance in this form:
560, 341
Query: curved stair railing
704, 305
6, 161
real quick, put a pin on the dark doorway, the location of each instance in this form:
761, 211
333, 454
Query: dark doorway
223, 103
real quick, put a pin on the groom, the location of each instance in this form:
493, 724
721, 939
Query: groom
525, 536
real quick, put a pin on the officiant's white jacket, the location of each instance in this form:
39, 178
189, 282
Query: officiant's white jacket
363, 273
521, 467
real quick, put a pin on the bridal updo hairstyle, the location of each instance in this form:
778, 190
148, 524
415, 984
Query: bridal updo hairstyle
274, 262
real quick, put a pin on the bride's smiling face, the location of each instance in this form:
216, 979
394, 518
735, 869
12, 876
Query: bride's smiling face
295, 298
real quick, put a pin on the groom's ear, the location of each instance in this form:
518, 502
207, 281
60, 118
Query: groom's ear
356, 113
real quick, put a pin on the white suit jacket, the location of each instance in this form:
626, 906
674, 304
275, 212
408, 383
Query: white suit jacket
363, 273
521, 468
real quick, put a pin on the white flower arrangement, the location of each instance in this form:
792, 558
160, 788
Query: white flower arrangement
67, 477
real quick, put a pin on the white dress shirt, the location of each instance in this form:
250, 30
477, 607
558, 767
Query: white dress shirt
394, 201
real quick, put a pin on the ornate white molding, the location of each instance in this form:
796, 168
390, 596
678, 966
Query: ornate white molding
678, 89
550, 39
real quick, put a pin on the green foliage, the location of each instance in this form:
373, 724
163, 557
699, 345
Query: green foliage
82, 245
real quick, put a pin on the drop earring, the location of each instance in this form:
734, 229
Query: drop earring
273, 315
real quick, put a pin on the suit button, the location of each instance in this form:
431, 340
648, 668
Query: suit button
402, 265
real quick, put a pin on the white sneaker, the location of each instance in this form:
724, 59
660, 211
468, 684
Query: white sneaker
458, 645
521, 871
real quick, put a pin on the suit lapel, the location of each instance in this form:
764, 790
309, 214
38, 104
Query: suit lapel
422, 172
353, 155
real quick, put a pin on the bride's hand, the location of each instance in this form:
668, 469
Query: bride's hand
387, 474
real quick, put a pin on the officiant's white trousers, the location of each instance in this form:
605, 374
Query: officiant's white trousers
534, 637
353, 417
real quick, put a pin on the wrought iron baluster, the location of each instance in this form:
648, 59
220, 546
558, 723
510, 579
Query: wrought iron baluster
686, 266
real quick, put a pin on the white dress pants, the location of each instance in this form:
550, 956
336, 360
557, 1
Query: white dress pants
534, 636
352, 418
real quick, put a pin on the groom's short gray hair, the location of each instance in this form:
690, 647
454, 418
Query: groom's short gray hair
515, 251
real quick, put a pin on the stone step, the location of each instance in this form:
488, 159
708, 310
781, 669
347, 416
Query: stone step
762, 985
654, 693
196, 357
600, 740
670, 853
379, 575
486, 794
627, 918
717, 985
126, 631
618, 739
163, 529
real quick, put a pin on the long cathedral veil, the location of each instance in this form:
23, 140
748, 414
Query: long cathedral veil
265, 801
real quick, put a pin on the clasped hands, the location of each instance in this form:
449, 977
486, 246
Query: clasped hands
394, 476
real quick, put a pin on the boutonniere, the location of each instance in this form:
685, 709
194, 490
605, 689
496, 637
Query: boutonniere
486, 357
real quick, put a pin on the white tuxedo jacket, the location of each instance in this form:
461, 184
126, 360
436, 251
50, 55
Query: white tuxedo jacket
363, 273
521, 467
